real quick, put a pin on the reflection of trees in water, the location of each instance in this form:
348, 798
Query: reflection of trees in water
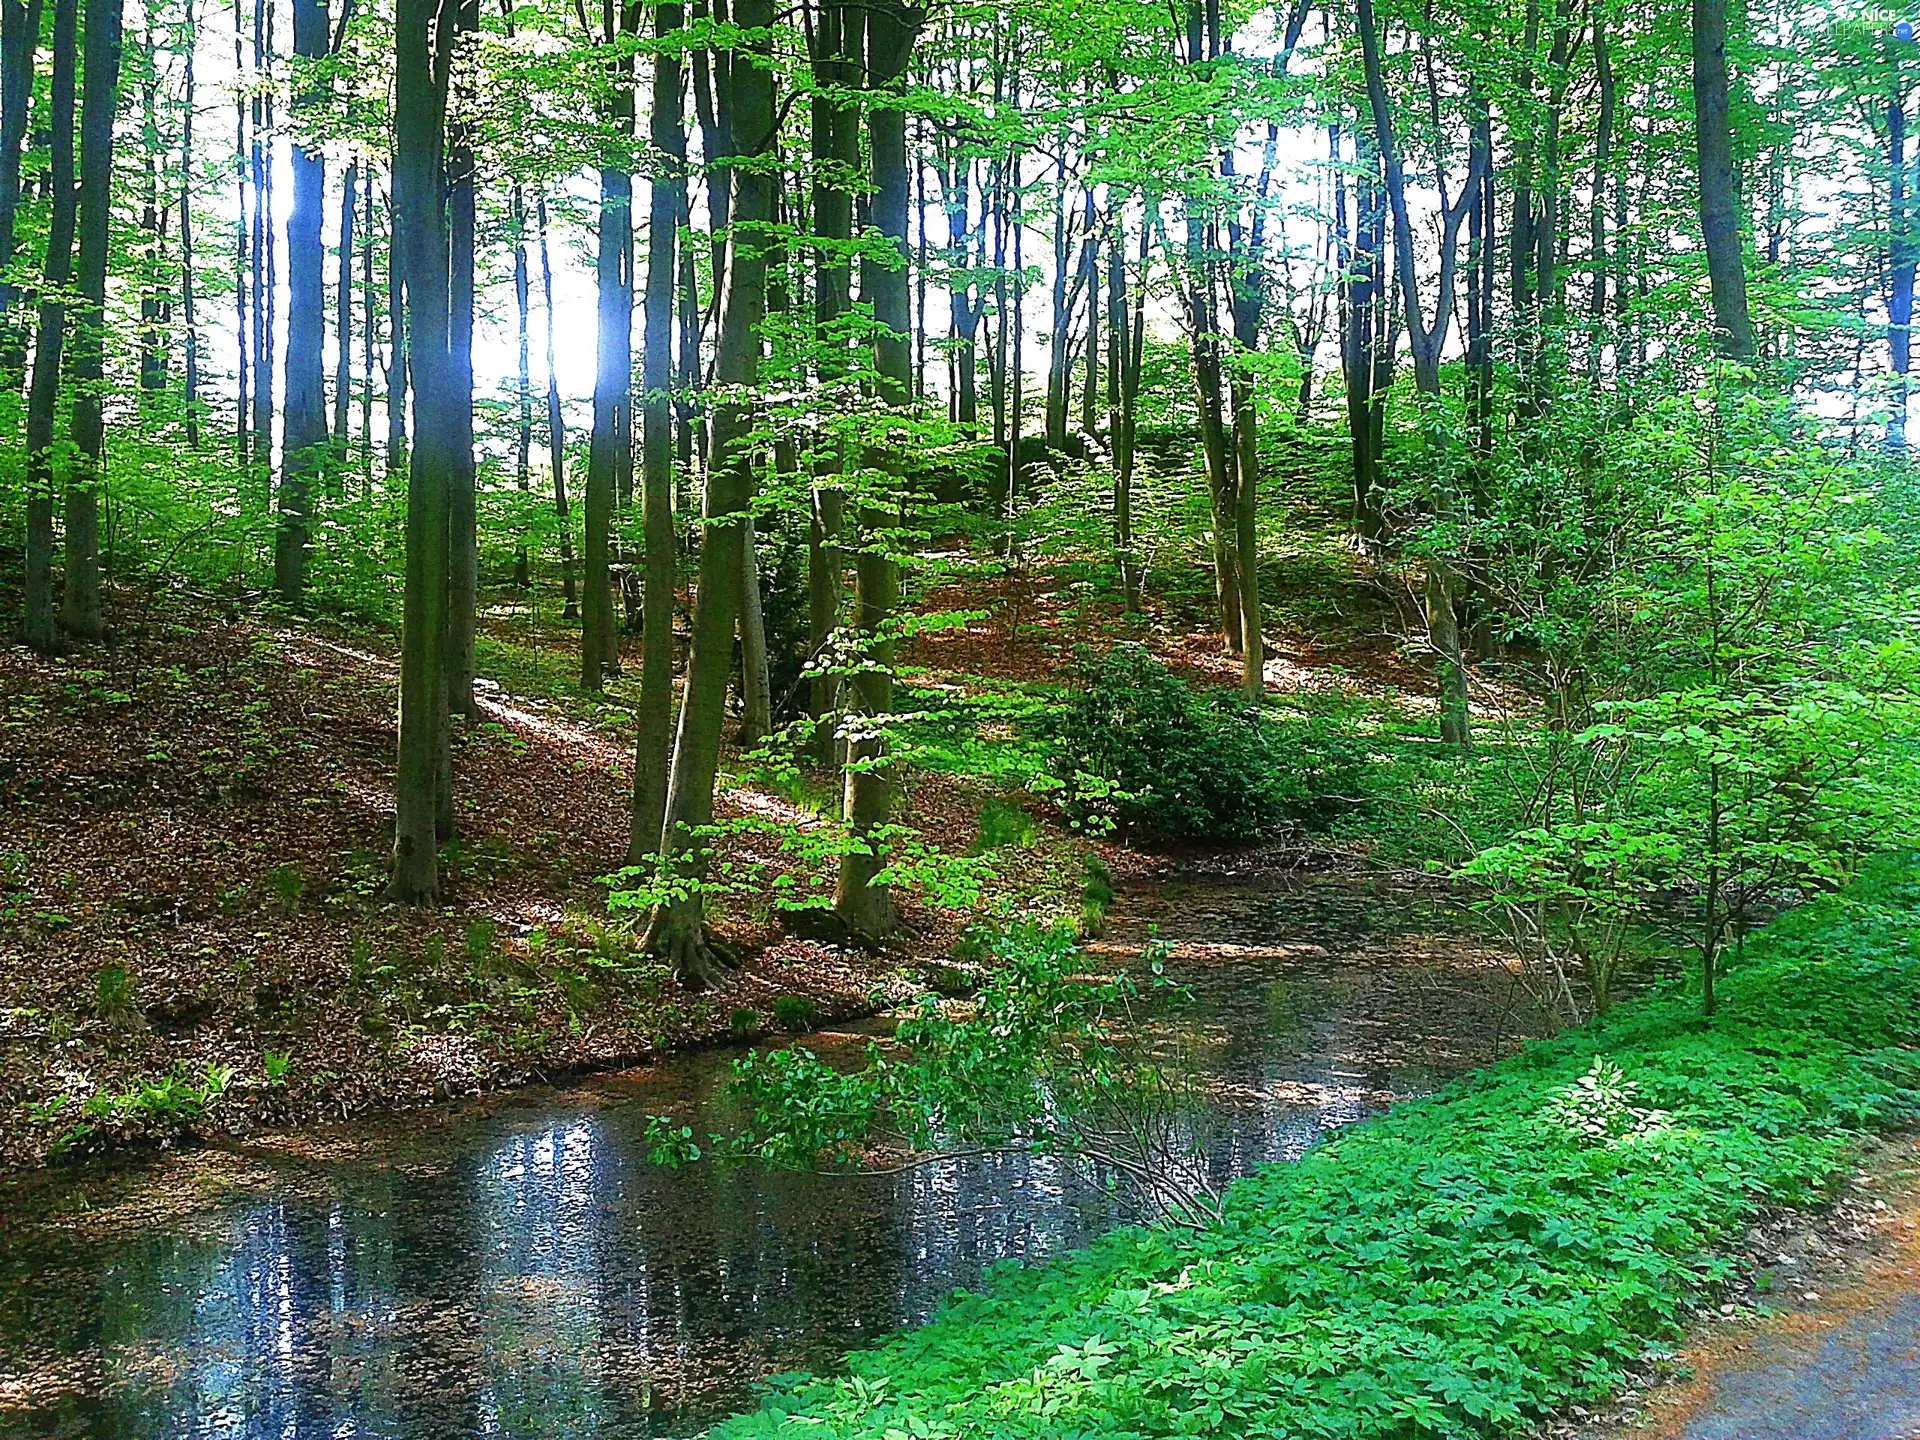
536, 1277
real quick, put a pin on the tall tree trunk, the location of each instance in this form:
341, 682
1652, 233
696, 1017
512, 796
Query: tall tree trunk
557, 431
423, 41
861, 900
654, 717
19, 43
612, 392
463, 540
1427, 341
188, 290
343, 332
1125, 344
305, 441
100, 100
836, 162
1719, 182
153, 298
261, 278
370, 307
43, 397
1901, 256
678, 929
397, 378
242, 262
523, 374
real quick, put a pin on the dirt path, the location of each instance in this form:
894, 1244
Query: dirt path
1831, 1349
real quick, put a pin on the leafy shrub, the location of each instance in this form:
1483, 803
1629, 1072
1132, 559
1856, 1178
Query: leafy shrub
1001, 824
744, 1022
115, 1002
1462, 1266
1136, 749
795, 1013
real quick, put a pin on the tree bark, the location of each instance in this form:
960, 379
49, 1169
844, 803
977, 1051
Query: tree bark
557, 432
523, 375
44, 395
1901, 256
862, 901
836, 163
1426, 342
654, 717
19, 43
80, 608
423, 38
305, 440
343, 332
463, 540
678, 929
1719, 182
612, 392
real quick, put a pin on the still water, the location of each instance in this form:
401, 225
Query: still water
517, 1267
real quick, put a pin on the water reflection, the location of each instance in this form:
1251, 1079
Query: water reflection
520, 1270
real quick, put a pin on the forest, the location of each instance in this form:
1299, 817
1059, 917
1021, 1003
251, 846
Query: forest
969, 599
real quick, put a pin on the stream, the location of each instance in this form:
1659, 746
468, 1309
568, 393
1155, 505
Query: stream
515, 1266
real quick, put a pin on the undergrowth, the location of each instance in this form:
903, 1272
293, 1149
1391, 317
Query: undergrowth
1461, 1266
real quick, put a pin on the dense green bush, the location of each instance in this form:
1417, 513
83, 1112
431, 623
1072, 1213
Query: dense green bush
1134, 748
1461, 1266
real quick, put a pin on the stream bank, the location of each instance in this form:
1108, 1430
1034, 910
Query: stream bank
515, 1266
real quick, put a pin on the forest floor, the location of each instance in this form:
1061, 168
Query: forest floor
199, 814
1822, 1341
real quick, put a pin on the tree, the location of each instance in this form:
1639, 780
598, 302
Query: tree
306, 444
80, 609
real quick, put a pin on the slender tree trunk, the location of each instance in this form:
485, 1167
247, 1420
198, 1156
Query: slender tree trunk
261, 277
463, 540
371, 308
862, 901
1427, 342
557, 431
1901, 256
100, 99
188, 289
423, 39
654, 717
19, 43
43, 397
523, 375
343, 333
1123, 388
836, 162
612, 392
678, 927
1719, 182
242, 262
397, 339
305, 441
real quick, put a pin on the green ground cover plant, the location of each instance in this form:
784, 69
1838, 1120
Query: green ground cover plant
1463, 1265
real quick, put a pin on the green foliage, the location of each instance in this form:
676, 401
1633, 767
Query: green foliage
795, 1013
744, 1022
1137, 750
1041, 1059
1462, 1266
1001, 824
116, 1003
